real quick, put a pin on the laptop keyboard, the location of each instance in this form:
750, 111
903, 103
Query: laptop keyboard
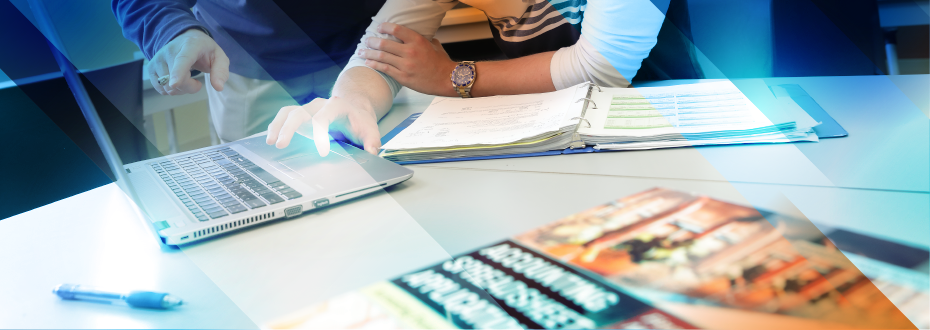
216, 183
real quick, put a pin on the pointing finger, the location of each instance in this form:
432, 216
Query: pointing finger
277, 123
321, 122
370, 136
181, 66
294, 119
219, 70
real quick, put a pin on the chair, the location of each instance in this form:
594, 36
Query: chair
826, 38
673, 56
772, 38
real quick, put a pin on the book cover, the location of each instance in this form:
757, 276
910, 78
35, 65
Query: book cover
719, 254
710, 263
502, 286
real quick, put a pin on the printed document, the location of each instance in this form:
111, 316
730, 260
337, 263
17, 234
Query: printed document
495, 120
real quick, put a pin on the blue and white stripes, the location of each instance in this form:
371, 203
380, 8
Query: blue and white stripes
540, 16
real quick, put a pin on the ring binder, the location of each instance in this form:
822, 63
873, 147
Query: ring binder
582, 119
595, 131
589, 100
591, 83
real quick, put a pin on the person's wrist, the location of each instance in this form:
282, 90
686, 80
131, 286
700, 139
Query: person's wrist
444, 84
359, 103
194, 32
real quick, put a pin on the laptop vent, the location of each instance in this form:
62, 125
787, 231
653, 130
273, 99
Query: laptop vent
233, 225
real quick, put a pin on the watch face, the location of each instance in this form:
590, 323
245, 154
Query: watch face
462, 75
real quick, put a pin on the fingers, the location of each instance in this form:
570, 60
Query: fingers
321, 122
386, 45
285, 123
383, 57
368, 134
187, 86
161, 69
181, 82
182, 63
361, 125
404, 34
153, 77
219, 69
295, 118
275, 127
386, 69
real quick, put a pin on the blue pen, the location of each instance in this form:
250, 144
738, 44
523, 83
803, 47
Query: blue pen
143, 299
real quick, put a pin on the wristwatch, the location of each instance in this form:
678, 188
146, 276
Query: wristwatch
463, 77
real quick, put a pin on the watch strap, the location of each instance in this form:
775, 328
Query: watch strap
465, 91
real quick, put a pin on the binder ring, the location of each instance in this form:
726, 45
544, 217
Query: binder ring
580, 119
591, 83
589, 100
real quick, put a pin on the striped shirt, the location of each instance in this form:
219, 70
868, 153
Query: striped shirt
539, 18
604, 41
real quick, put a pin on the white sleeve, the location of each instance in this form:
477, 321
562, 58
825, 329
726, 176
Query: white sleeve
422, 16
616, 35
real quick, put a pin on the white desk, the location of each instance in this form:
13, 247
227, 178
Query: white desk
260, 274
235, 281
263, 273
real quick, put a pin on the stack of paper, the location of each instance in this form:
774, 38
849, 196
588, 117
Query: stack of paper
517, 124
606, 118
688, 115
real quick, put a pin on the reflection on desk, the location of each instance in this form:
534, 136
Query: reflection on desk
261, 274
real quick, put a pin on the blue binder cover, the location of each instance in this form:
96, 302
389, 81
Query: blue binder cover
828, 128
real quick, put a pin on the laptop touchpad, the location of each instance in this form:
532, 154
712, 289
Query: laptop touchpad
301, 161
335, 171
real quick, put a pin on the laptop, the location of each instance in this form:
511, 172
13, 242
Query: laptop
199, 194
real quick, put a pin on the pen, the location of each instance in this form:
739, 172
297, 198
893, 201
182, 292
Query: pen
143, 299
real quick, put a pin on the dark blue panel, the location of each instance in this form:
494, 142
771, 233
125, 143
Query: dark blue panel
40, 163
23, 45
52, 152
826, 38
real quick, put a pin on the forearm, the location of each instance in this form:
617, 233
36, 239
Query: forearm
366, 89
528, 74
151, 24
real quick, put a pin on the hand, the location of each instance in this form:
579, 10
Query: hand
192, 49
348, 121
419, 64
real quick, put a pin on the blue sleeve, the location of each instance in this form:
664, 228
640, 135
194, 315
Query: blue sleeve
151, 24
